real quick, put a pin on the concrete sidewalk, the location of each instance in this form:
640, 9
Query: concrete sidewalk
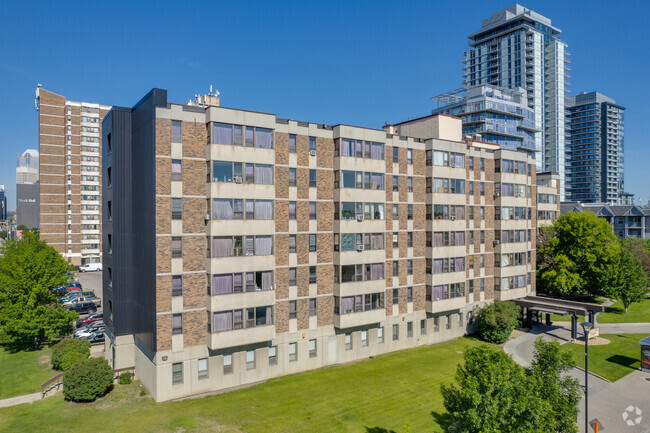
21, 399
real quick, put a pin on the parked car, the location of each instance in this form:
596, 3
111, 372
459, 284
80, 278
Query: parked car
97, 337
83, 333
90, 319
71, 297
84, 307
91, 267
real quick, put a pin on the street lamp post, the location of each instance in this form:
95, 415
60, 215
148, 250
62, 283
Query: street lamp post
586, 327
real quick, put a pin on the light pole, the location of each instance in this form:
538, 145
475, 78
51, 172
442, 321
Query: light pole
586, 327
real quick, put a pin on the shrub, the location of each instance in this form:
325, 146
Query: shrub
87, 380
497, 321
70, 359
65, 346
125, 378
143, 391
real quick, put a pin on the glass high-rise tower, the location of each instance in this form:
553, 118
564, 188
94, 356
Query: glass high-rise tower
517, 47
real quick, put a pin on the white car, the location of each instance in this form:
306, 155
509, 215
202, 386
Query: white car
90, 267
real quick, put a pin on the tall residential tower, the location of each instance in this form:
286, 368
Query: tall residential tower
595, 149
517, 47
69, 139
27, 188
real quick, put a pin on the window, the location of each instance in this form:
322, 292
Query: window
471, 284
364, 338
482, 164
409, 267
250, 359
380, 335
482, 212
177, 285
482, 186
460, 320
177, 324
395, 332
471, 163
409, 239
177, 247
176, 170
409, 329
293, 352
292, 276
409, 184
423, 327
312, 274
482, 284
312, 144
312, 242
177, 373
177, 208
312, 349
395, 212
273, 355
409, 211
312, 306
395, 240
226, 171
395, 296
292, 177
395, 154
227, 364
203, 368
409, 156
292, 243
292, 210
312, 178
177, 131
292, 143
292, 310
436, 324
395, 269
448, 319
409, 294
395, 183
348, 341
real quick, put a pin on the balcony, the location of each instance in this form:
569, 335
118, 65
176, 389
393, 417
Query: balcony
505, 295
241, 337
362, 318
445, 304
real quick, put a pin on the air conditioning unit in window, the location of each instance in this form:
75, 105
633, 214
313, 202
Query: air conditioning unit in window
239, 179
359, 217
312, 153
359, 247
452, 218
497, 194
207, 217
496, 242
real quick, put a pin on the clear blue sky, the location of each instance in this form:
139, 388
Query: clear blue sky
361, 63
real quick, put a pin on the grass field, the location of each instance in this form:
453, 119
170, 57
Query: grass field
567, 318
611, 361
378, 396
615, 313
24, 372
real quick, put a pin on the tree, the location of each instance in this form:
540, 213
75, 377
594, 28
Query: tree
3, 234
66, 346
561, 391
87, 380
497, 321
640, 249
626, 280
494, 394
30, 309
574, 254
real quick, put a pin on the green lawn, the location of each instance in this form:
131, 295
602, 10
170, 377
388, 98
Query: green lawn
615, 313
24, 372
369, 396
612, 361
567, 318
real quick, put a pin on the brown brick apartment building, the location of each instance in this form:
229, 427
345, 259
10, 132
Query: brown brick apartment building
69, 137
239, 246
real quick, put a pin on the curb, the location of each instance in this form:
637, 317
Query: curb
593, 374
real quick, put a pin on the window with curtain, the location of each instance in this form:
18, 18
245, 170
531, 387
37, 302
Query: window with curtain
292, 143
263, 138
177, 247
222, 246
263, 209
263, 174
222, 209
263, 245
177, 131
292, 177
177, 285
222, 284
177, 208
222, 133
312, 210
292, 210
176, 170
292, 243
177, 324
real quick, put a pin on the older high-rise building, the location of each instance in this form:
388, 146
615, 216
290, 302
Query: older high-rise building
595, 152
239, 246
3, 204
69, 166
517, 47
27, 189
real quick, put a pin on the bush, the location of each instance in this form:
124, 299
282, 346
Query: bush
66, 346
125, 378
497, 321
87, 380
70, 359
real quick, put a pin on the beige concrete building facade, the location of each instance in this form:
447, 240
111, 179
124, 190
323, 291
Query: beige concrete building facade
280, 246
69, 170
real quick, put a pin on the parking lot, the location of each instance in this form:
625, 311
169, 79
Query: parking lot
91, 281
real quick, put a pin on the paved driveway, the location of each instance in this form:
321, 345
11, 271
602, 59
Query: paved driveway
607, 401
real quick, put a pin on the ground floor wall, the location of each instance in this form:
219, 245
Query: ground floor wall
316, 348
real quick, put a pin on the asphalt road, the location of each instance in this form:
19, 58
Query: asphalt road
92, 281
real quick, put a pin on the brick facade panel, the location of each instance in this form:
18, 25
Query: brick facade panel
194, 139
163, 136
419, 162
302, 181
194, 328
194, 175
194, 215
194, 290
163, 176
282, 250
163, 254
325, 279
325, 153
281, 149
324, 216
302, 307
281, 182
281, 283
325, 184
281, 216
302, 150
325, 247
164, 332
302, 247
163, 214
302, 209
194, 252
325, 310
163, 293
282, 316
419, 298
302, 277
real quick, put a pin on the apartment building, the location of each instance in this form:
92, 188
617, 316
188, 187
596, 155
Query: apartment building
548, 198
69, 139
239, 246
627, 221
27, 189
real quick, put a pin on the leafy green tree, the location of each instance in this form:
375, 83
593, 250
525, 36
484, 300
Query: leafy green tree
640, 249
497, 321
30, 309
3, 234
548, 369
65, 346
494, 394
574, 254
626, 280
